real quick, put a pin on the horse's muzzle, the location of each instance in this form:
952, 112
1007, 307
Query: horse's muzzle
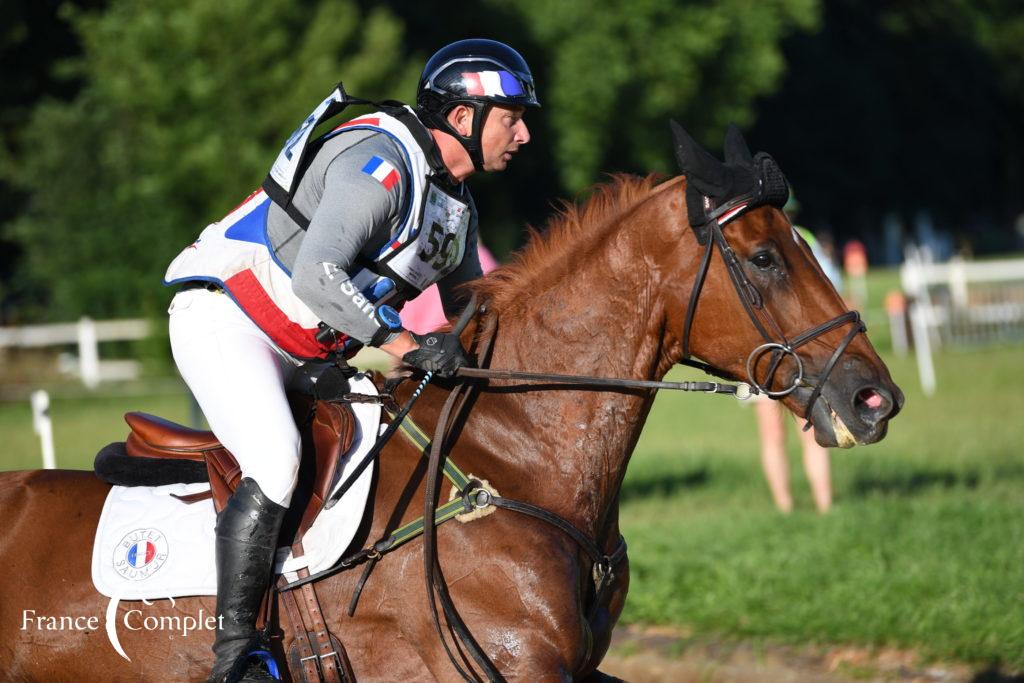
854, 407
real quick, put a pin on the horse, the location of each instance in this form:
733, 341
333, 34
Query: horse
621, 286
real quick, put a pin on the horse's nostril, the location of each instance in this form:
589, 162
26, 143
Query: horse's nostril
871, 398
872, 404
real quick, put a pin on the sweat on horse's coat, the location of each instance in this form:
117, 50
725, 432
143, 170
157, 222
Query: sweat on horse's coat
604, 292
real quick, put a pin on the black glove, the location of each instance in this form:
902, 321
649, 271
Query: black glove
439, 352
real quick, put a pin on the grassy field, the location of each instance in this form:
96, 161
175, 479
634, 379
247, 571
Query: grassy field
81, 426
924, 549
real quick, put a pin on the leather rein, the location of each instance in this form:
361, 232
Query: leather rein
474, 496
752, 302
603, 564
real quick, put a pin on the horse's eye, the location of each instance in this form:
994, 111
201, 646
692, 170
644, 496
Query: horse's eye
762, 260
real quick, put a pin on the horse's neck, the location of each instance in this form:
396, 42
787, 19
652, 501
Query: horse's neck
602, 320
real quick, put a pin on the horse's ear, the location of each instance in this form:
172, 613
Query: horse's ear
736, 150
682, 143
700, 166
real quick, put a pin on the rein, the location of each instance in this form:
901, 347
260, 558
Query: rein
741, 391
437, 588
474, 496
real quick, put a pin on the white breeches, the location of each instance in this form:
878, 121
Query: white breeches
239, 377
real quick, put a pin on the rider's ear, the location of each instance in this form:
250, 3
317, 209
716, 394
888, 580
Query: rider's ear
461, 118
736, 150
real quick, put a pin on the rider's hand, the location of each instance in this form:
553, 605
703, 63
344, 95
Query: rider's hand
439, 352
400, 345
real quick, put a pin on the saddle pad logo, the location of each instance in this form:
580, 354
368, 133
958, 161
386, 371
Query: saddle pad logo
140, 554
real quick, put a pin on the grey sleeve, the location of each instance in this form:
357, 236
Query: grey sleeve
355, 210
453, 300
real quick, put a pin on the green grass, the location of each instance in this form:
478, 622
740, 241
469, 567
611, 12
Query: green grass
81, 426
924, 549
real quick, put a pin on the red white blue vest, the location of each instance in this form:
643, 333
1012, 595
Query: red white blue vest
236, 254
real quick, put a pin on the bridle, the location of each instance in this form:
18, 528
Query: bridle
604, 563
776, 343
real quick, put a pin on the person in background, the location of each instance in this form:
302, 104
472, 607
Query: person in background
771, 419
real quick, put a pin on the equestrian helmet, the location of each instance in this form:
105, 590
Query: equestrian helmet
478, 73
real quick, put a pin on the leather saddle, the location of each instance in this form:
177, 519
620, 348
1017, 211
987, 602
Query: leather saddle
327, 430
177, 454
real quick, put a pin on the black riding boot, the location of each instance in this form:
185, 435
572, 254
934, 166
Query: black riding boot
247, 530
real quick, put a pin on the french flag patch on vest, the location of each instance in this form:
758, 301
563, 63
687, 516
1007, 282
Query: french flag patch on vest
382, 172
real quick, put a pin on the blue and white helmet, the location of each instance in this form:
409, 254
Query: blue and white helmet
478, 73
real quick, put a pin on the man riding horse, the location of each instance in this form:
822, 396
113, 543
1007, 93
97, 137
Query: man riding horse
346, 228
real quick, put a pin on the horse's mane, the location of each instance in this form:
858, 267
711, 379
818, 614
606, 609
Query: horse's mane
571, 226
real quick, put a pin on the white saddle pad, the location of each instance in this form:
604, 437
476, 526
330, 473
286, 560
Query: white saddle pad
151, 545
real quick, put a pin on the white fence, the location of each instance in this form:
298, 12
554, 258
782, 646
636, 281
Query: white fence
961, 303
86, 334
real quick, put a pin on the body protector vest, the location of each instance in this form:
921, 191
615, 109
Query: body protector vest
235, 253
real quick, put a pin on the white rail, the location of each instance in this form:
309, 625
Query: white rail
961, 303
86, 334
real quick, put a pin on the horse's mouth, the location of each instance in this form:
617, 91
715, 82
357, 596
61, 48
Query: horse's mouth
843, 436
838, 428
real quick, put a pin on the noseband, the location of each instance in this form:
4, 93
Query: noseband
776, 346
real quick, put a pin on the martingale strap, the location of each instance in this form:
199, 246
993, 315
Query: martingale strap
470, 490
474, 496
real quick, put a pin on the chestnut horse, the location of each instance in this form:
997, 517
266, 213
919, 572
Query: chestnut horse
604, 292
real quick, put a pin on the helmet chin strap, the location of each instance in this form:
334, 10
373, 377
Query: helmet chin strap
471, 142
474, 143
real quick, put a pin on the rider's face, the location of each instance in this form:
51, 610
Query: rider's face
504, 131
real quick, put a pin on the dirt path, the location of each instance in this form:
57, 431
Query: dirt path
655, 654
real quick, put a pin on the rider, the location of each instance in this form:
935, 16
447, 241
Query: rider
346, 228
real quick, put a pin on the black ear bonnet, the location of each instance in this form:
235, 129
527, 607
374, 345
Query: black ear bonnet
714, 187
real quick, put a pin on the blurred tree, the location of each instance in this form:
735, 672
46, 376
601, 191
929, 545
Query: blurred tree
182, 107
618, 71
895, 108
185, 105
32, 38
609, 75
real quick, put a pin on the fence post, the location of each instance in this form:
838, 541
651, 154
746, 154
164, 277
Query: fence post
922, 347
958, 282
88, 353
896, 308
43, 426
